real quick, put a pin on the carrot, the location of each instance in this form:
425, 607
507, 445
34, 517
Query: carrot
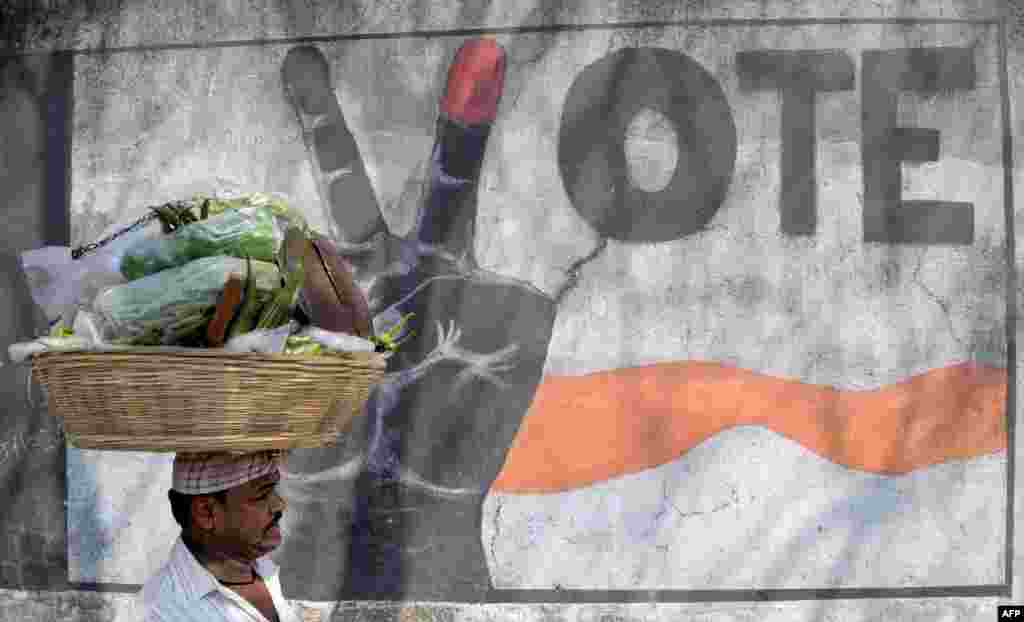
230, 300
584, 429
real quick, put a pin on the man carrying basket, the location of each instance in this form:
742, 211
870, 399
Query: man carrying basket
229, 508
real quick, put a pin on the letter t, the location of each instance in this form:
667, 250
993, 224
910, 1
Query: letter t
798, 76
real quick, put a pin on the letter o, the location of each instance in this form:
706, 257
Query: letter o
602, 101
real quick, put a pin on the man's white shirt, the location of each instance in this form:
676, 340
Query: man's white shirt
184, 591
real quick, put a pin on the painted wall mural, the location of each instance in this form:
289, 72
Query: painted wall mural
698, 306
473, 368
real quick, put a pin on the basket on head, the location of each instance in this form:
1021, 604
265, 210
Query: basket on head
161, 399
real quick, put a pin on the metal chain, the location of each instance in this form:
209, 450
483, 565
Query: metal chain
88, 248
177, 206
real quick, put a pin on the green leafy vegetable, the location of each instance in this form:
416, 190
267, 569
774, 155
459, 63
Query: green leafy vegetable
302, 345
388, 341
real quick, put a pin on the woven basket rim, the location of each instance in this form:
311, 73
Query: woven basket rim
373, 360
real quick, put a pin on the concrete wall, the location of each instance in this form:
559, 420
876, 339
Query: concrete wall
751, 506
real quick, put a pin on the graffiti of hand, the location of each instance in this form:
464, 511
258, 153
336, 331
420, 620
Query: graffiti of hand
396, 507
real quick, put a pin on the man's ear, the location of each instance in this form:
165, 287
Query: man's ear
204, 511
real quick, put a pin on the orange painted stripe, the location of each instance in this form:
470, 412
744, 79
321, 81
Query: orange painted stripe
586, 429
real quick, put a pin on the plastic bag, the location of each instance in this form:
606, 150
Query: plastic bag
269, 341
338, 342
251, 231
60, 284
83, 336
278, 204
19, 352
87, 326
174, 297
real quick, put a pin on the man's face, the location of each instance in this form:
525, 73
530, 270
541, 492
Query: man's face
247, 525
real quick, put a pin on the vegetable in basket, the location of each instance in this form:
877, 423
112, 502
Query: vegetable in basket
62, 279
229, 304
178, 300
291, 261
186, 286
245, 319
239, 233
331, 298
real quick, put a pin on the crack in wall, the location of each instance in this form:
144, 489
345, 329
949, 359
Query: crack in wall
718, 508
572, 274
915, 278
496, 533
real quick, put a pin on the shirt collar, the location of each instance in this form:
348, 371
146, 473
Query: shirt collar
198, 581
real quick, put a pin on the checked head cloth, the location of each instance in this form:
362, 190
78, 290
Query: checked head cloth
207, 472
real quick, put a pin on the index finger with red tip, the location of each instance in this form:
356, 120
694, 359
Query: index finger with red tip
475, 82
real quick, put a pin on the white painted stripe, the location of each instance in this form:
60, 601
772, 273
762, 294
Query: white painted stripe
752, 509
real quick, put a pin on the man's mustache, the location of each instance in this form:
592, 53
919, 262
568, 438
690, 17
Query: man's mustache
273, 523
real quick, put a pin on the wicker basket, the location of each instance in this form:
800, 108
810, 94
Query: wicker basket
156, 399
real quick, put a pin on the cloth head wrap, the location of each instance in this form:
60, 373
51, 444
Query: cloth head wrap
207, 472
